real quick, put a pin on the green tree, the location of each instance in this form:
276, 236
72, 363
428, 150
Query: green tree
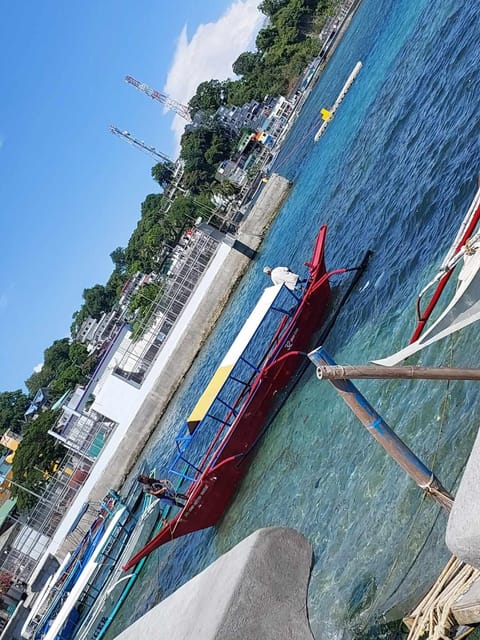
98, 300
65, 365
207, 98
141, 307
266, 38
202, 149
162, 173
227, 189
146, 245
270, 7
119, 259
115, 283
13, 405
245, 63
35, 458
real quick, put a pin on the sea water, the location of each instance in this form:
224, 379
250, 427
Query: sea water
394, 173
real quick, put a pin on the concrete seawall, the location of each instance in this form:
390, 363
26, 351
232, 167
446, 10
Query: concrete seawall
251, 232
256, 590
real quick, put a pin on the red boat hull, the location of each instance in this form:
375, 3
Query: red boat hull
211, 494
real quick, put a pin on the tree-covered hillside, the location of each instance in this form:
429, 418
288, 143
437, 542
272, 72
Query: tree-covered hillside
284, 47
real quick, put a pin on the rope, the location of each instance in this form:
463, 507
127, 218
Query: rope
433, 616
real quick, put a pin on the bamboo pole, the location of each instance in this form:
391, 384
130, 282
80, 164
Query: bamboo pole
384, 435
368, 372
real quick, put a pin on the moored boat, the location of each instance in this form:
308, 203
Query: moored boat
214, 445
49, 600
114, 592
61, 623
63, 605
464, 307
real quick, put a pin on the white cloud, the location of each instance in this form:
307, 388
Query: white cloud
38, 368
211, 51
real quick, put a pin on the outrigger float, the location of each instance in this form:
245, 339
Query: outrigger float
231, 414
329, 114
464, 308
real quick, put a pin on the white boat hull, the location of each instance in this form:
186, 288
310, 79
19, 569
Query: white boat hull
463, 310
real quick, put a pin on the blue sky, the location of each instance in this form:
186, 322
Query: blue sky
70, 191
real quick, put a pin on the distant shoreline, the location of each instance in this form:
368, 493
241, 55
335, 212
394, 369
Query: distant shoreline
318, 72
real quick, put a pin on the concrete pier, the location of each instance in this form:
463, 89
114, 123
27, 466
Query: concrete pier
256, 590
463, 529
463, 535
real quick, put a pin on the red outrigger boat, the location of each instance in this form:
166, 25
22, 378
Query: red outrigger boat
445, 271
230, 416
464, 307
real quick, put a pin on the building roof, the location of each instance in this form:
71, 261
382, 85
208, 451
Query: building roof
40, 399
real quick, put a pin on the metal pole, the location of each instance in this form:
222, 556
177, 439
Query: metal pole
37, 495
345, 372
384, 435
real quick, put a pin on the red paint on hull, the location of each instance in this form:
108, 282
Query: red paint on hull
210, 495
424, 316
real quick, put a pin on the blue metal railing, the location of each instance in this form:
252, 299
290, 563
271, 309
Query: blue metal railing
189, 460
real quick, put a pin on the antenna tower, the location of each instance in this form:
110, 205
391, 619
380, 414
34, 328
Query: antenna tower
125, 135
179, 108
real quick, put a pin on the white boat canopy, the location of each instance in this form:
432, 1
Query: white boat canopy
241, 342
463, 310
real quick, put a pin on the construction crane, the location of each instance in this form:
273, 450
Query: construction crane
171, 104
125, 135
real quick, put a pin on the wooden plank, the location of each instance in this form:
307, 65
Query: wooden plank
467, 608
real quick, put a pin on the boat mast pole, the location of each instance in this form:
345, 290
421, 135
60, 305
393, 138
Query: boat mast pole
384, 435
372, 372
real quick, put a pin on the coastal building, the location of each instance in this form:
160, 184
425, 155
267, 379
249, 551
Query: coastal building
30, 536
97, 334
231, 171
283, 108
135, 357
80, 428
236, 118
94, 333
10, 440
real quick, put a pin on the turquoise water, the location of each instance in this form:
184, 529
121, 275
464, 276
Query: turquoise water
394, 173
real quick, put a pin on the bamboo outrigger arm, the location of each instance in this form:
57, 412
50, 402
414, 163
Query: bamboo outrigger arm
384, 435
372, 372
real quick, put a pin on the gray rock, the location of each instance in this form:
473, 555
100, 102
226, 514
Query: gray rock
255, 591
463, 529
